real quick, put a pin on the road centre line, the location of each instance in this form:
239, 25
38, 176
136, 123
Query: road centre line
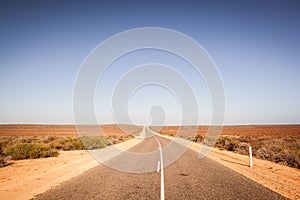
162, 185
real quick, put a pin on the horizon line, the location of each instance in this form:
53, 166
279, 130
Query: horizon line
74, 124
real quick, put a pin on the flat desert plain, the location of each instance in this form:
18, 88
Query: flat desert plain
64, 130
20, 177
274, 131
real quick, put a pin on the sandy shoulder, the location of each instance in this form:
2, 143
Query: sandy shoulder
26, 178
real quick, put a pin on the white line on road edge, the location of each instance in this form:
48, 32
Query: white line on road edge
158, 166
162, 185
250, 156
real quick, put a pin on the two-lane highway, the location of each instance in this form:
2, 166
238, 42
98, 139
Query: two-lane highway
187, 178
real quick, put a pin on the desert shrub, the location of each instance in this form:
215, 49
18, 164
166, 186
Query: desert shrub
95, 142
41, 146
210, 141
29, 150
246, 139
55, 145
48, 139
284, 151
282, 155
198, 138
242, 148
68, 143
227, 143
263, 153
4, 142
25, 140
162, 132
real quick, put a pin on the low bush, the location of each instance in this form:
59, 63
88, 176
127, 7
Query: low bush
209, 141
284, 151
163, 133
19, 151
95, 142
198, 138
227, 143
41, 147
68, 143
115, 139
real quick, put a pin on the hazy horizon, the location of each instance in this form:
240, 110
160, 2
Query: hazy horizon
146, 125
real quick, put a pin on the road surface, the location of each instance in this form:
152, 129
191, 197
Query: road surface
187, 178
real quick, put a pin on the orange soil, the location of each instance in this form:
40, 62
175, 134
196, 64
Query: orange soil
26, 178
278, 131
63, 130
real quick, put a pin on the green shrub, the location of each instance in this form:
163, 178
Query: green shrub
95, 142
55, 145
19, 151
3, 143
227, 143
68, 143
39, 147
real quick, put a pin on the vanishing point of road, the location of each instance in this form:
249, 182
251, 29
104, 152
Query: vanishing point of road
187, 178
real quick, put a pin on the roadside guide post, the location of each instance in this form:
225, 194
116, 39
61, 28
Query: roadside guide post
250, 156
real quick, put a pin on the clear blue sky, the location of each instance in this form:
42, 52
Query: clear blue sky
255, 45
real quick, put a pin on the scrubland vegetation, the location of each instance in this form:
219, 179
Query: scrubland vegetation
26, 147
276, 143
285, 151
279, 150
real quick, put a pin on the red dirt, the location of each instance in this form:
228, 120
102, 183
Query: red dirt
62, 130
278, 131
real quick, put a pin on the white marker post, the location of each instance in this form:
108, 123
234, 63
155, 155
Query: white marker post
250, 156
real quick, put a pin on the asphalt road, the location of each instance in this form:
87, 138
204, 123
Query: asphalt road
187, 178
